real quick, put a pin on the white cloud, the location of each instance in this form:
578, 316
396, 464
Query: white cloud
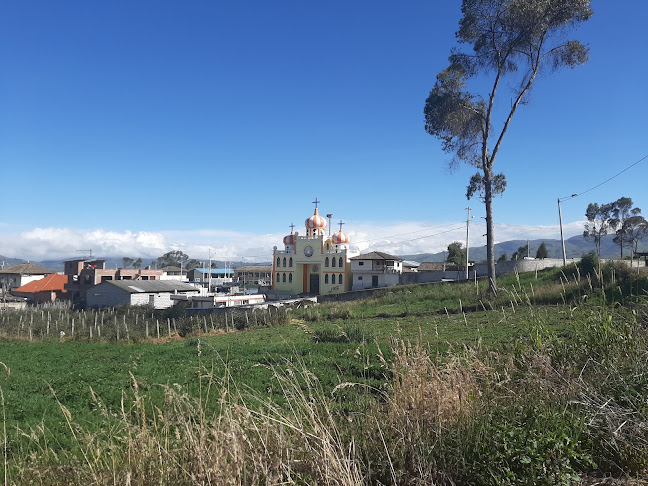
395, 237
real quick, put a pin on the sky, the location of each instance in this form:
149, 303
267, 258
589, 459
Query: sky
137, 127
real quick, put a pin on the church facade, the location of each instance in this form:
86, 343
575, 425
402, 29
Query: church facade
315, 263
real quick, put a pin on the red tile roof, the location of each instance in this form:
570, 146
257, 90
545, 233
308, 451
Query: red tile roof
53, 281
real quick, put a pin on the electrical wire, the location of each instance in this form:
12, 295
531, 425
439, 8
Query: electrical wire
605, 181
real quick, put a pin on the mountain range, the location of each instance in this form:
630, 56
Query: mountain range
575, 247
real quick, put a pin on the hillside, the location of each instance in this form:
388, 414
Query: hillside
575, 247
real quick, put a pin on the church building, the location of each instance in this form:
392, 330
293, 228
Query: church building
314, 263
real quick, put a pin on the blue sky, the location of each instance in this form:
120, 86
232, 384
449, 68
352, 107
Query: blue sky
137, 127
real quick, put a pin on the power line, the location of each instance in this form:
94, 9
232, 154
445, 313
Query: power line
605, 181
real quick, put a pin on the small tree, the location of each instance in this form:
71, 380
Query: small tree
520, 253
456, 253
503, 257
598, 223
126, 261
542, 251
137, 263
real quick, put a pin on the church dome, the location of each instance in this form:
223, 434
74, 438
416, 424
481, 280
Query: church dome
290, 239
340, 238
316, 222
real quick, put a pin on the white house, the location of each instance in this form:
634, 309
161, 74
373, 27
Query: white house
21, 274
375, 269
156, 293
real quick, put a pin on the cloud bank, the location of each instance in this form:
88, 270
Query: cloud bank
400, 238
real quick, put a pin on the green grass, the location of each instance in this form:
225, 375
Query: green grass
534, 319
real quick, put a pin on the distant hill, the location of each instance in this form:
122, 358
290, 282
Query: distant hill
575, 247
6, 262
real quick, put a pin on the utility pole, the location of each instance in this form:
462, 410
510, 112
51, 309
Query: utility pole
562, 237
467, 239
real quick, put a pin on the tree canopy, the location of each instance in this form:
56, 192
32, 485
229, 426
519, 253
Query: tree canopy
542, 251
456, 253
512, 41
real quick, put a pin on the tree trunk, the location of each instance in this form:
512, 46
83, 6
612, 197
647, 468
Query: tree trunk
490, 236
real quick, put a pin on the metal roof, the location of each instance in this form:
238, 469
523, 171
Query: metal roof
213, 270
148, 286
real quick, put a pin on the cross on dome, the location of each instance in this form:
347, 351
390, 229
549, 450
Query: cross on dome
316, 202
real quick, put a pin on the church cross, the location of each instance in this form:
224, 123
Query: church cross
341, 223
292, 227
316, 202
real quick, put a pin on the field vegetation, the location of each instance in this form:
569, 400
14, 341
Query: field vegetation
544, 383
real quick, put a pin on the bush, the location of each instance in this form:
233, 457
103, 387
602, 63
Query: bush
589, 265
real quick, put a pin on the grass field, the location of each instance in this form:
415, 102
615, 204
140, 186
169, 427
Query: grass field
542, 384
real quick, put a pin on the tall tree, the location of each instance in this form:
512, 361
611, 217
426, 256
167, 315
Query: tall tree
597, 224
621, 210
137, 263
174, 258
542, 251
634, 229
126, 261
512, 41
456, 253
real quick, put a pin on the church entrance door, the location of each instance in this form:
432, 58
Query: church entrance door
314, 283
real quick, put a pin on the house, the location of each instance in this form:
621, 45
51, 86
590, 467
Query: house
376, 269
173, 273
46, 290
214, 276
21, 274
254, 274
213, 301
155, 293
314, 263
83, 274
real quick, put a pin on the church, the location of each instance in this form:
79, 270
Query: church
315, 263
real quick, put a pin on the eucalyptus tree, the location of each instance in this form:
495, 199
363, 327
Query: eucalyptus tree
633, 230
621, 210
512, 41
598, 223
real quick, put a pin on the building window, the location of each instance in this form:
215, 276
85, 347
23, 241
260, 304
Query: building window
333, 279
278, 277
359, 279
340, 281
360, 264
326, 262
333, 261
290, 277
326, 278
290, 262
284, 278
284, 261
341, 263
278, 261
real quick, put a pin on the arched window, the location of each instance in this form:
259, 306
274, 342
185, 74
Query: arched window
333, 279
326, 278
278, 278
284, 262
340, 281
290, 262
284, 278
278, 261
341, 263
333, 261
290, 277
326, 262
